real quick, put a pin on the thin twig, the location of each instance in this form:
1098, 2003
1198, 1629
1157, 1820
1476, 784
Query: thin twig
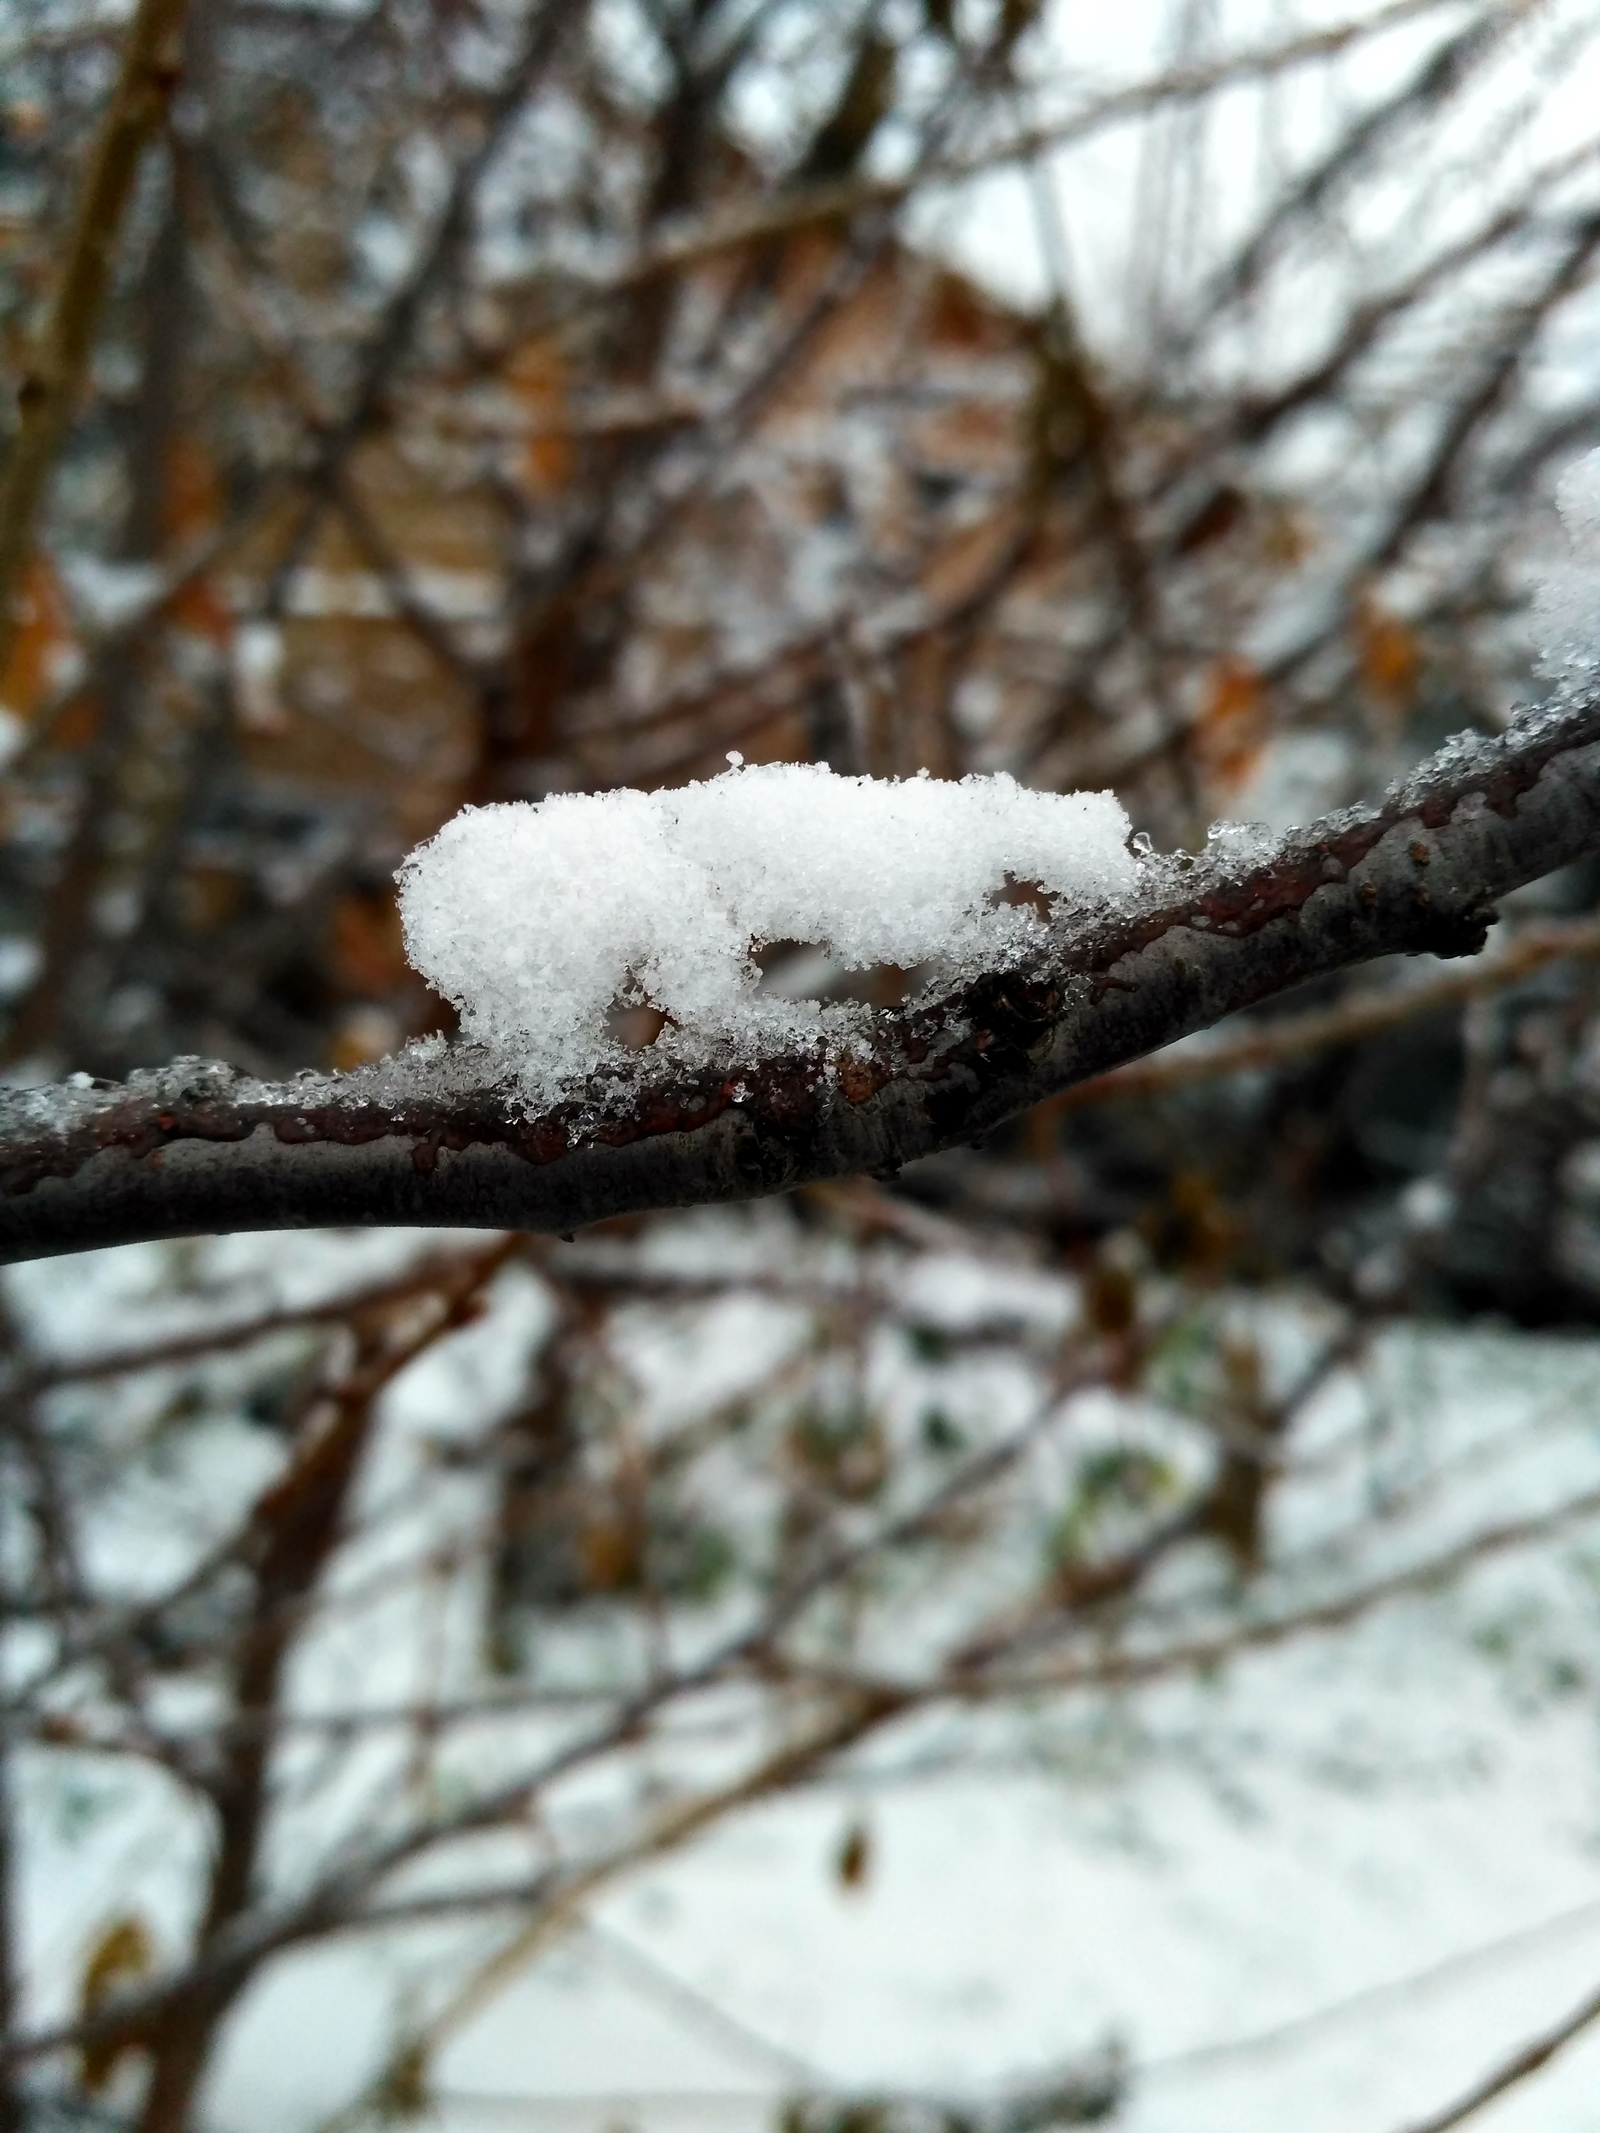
54, 376
1516, 2069
808, 206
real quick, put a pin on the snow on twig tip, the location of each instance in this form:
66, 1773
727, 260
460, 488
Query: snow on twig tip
541, 920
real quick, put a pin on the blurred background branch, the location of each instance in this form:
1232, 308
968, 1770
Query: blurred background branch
1105, 1599
52, 382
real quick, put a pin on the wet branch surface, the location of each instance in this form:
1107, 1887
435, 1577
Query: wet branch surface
440, 1137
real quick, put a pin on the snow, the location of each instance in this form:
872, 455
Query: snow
1379, 1813
1210, 1871
1566, 605
542, 920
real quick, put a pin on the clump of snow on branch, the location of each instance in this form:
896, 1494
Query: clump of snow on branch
1566, 605
541, 920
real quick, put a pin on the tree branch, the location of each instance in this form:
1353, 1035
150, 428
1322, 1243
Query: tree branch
1258, 1047
808, 205
441, 1135
1518, 2068
54, 375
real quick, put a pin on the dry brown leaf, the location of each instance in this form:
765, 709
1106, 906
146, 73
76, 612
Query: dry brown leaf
123, 1954
43, 638
1232, 728
1390, 655
538, 378
853, 1860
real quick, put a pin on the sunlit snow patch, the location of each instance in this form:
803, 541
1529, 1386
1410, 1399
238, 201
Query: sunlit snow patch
541, 920
1566, 605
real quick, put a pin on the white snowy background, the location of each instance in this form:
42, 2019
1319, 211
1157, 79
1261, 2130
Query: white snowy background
1325, 1888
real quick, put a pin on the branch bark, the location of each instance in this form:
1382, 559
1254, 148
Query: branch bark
441, 1136
1260, 1046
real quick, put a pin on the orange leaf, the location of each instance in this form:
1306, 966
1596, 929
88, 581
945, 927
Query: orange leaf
191, 498
44, 634
119, 1958
199, 609
192, 507
1391, 657
1232, 726
537, 377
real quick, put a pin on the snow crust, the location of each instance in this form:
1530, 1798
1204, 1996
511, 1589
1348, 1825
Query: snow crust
1566, 604
539, 920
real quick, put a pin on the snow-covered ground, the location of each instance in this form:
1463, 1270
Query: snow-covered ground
1328, 1887
1384, 1882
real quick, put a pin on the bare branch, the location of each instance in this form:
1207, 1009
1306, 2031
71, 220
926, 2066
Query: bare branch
1440, 77
807, 206
441, 1136
1368, 1012
1517, 2068
54, 375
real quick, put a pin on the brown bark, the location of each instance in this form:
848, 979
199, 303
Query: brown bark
443, 1137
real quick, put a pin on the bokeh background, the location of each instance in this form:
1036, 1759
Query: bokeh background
1103, 1628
